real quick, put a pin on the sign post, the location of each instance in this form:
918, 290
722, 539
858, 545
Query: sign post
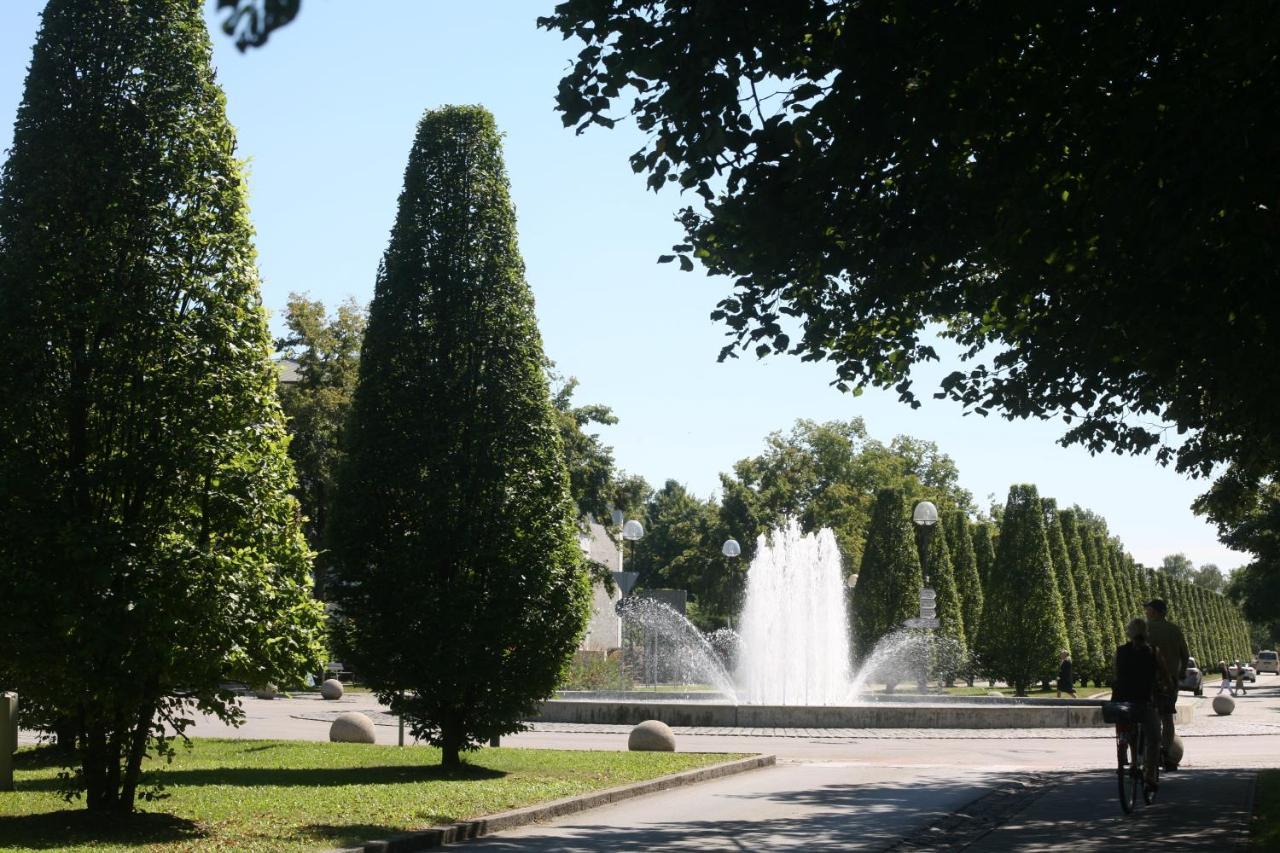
8, 738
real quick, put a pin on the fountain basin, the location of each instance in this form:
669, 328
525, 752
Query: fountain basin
971, 713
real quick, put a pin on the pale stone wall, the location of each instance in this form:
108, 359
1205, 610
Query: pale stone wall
604, 630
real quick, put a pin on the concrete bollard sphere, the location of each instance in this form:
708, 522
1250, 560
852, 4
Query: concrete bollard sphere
652, 736
267, 691
1176, 750
331, 689
352, 727
1223, 704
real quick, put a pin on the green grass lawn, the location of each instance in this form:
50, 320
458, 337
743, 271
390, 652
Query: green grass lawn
298, 795
1264, 827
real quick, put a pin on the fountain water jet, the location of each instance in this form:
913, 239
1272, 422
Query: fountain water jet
795, 623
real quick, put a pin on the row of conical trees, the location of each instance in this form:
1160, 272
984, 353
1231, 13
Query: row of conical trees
1012, 595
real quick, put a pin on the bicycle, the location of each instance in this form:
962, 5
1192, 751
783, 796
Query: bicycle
1131, 737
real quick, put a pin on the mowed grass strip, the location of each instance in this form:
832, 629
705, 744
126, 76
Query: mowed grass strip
298, 795
1264, 827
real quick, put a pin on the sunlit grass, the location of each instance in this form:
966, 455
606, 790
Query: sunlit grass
299, 795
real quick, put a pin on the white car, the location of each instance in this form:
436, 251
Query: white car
1267, 662
1250, 674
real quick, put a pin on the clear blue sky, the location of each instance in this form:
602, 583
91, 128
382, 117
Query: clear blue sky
326, 113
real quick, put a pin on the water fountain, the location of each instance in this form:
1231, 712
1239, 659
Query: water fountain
792, 661
795, 624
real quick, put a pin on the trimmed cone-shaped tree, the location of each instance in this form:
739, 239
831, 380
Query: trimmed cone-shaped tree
1094, 665
940, 576
889, 580
965, 563
149, 547
1062, 572
984, 553
1022, 626
461, 578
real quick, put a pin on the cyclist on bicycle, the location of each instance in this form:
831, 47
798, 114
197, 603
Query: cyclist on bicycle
1172, 654
1135, 680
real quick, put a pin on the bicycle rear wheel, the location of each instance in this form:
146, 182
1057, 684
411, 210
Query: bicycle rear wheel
1129, 774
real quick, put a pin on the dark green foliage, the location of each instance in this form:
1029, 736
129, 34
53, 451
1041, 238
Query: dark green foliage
251, 22
984, 552
1022, 625
995, 192
317, 404
889, 579
454, 530
940, 576
1092, 612
681, 550
149, 546
828, 474
965, 561
1064, 573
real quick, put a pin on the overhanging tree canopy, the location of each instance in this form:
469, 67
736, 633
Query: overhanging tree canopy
1083, 197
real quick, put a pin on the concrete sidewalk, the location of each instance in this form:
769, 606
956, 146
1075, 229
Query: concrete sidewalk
1194, 810
831, 806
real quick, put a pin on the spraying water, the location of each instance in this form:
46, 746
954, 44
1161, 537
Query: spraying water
795, 625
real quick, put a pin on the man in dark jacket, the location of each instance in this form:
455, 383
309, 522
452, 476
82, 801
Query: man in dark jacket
1171, 650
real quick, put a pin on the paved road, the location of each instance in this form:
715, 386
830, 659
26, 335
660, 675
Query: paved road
829, 806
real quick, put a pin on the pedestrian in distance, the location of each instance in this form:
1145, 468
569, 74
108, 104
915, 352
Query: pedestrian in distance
1240, 691
1171, 651
1066, 684
1226, 678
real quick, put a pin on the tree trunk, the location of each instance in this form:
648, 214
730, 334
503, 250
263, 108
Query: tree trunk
137, 751
451, 745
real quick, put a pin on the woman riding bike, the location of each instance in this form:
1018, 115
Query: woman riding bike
1136, 672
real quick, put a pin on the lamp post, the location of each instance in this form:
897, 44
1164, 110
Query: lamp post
632, 531
731, 548
925, 517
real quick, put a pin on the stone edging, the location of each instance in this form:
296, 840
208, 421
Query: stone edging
436, 836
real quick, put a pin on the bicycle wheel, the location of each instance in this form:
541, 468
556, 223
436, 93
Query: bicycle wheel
1128, 781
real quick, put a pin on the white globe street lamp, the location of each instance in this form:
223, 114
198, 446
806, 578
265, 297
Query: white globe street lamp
731, 548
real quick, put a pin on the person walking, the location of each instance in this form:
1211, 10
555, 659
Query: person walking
1065, 682
1226, 678
1136, 679
1171, 651
1240, 691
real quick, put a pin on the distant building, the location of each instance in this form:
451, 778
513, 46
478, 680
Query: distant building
604, 630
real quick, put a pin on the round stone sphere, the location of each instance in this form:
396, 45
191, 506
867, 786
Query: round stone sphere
267, 691
1223, 704
1175, 750
352, 727
652, 736
331, 689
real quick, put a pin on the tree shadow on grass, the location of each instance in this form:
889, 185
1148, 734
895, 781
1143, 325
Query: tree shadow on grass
60, 829
301, 777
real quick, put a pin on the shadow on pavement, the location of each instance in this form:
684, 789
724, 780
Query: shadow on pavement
828, 817
1194, 810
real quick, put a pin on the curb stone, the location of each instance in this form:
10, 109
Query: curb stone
437, 836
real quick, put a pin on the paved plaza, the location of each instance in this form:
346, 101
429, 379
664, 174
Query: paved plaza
883, 789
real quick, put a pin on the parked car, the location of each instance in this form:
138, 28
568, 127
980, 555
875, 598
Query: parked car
1250, 674
1267, 662
1194, 679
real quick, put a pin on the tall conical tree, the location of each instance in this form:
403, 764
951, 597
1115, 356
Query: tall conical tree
454, 529
1062, 572
941, 578
889, 580
1022, 625
965, 562
149, 547
984, 552
1094, 664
